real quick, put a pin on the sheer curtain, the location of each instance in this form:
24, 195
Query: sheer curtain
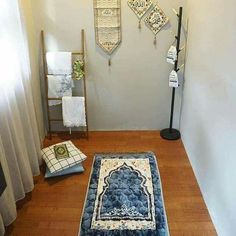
19, 137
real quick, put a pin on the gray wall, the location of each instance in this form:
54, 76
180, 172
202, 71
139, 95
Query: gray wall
208, 119
133, 93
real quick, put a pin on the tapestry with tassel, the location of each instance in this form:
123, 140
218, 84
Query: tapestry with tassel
155, 20
107, 14
140, 8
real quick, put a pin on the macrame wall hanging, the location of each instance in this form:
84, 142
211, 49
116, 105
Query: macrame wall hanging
155, 20
107, 17
140, 8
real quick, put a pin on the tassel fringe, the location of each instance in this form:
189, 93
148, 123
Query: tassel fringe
139, 24
155, 41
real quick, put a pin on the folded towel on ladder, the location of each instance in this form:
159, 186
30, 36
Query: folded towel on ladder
73, 111
59, 63
59, 86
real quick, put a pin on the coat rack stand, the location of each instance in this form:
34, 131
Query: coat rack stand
170, 133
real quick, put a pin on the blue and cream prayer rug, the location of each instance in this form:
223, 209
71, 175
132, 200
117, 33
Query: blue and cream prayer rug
124, 197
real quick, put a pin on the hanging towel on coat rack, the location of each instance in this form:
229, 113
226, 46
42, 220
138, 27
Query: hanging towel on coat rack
59, 86
73, 111
59, 63
3, 184
172, 55
173, 79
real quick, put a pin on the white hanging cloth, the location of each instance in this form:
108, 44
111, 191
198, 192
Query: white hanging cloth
173, 79
59, 86
172, 55
19, 137
59, 63
73, 111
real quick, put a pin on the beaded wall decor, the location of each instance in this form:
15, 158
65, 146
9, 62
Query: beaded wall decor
107, 18
140, 8
155, 20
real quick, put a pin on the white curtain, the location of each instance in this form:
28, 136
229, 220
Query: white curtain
19, 137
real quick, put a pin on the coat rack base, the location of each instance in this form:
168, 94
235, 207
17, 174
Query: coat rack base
170, 134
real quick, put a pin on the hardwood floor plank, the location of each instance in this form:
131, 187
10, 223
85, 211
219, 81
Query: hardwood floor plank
55, 206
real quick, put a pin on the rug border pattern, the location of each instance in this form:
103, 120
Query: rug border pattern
125, 153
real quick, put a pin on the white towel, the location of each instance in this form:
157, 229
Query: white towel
59, 63
59, 86
73, 111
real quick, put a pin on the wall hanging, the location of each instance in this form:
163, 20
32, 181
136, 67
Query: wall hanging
107, 20
155, 20
140, 8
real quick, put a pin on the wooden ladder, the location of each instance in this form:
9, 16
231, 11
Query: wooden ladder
45, 69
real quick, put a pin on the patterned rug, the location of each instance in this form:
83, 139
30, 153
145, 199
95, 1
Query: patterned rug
124, 197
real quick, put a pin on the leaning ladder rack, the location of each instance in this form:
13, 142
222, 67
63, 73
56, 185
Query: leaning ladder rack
45, 69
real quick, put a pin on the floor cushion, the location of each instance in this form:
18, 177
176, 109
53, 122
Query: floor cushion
72, 170
56, 165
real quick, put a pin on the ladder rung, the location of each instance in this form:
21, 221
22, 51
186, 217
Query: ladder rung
77, 53
56, 119
58, 75
57, 99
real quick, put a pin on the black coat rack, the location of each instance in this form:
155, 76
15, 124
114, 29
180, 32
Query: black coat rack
170, 133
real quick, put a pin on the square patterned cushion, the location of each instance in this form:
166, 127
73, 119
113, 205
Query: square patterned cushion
56, 165
74, 169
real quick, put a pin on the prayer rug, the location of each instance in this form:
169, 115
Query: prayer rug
124, 197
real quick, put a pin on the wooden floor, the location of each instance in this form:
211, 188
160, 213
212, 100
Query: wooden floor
55, 206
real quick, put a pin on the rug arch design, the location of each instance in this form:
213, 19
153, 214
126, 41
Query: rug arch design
124, 196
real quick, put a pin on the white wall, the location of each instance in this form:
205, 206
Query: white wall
133, 93
209, 111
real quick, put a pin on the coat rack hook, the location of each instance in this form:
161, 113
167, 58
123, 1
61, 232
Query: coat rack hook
180, 67
181, 49
176, 13
173, 33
